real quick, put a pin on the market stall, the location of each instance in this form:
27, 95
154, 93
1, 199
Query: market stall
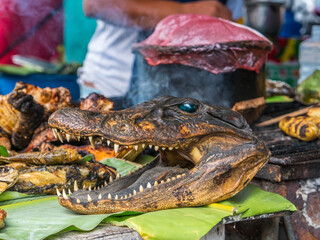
202, 145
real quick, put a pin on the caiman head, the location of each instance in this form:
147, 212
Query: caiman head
207, 154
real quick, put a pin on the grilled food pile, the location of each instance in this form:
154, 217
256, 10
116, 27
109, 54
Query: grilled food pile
37, 162
305, 128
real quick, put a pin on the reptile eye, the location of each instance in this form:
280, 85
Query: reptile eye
188, 107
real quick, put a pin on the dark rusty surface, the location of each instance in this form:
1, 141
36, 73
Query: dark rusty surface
293, 172
270, 172
278, 173
305, 195
290, 158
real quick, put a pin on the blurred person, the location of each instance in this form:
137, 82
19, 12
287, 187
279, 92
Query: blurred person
107, 68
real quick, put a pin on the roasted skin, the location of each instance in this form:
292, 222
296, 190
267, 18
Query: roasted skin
3, 216
44, 139
314, 111
54, 157
303, 127
96, 103
47, 179
25, 108
207, 154
8, 177
47, 172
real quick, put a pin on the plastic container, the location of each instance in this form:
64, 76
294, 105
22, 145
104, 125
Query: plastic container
309, 54
69, 81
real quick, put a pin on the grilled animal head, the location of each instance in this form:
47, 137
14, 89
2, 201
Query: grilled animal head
207, 154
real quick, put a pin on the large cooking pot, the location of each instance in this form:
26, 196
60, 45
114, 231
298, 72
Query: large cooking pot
223, 89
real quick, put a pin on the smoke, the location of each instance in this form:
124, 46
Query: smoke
114, 14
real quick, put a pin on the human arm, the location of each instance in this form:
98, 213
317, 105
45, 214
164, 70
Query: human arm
147, 13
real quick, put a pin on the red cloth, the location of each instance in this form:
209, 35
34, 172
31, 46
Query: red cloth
17, 17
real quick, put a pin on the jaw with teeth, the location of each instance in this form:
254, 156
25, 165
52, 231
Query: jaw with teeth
132, 191
59, 134
159, 186
207, 154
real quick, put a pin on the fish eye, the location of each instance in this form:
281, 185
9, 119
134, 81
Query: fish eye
188, 107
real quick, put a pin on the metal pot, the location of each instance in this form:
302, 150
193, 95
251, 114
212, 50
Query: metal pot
223, 89
264, 15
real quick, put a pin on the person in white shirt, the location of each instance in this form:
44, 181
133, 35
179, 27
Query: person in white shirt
107, 67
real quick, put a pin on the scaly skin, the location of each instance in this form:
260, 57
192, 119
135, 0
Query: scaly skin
216, 152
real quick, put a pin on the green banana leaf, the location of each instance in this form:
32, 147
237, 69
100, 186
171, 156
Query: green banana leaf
194, 223
38, 217
42, 218
123, 167
15, 70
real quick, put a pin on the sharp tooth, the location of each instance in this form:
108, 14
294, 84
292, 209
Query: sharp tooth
173, 178
162, 181
100, 196
84, 186
69, 191
141, 188
54, 130
105, 183
121, 198
68, 136
64, 195
94, 188
136, 147
78, 200
116, 148
170, 148
148, 185
102, 139
125, 196
79, 138
116, 197
58, 193
89, 198
143, 145
89, 188
156, 148
60, 137
183, 174
110, 179
118, 176
130, 195
109, 196
176, 147
126, 146
150, 146
98, 188
134, 192
108, 142
75, 186
178, 176
168, 180
163, 148
91, 141
156, 183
